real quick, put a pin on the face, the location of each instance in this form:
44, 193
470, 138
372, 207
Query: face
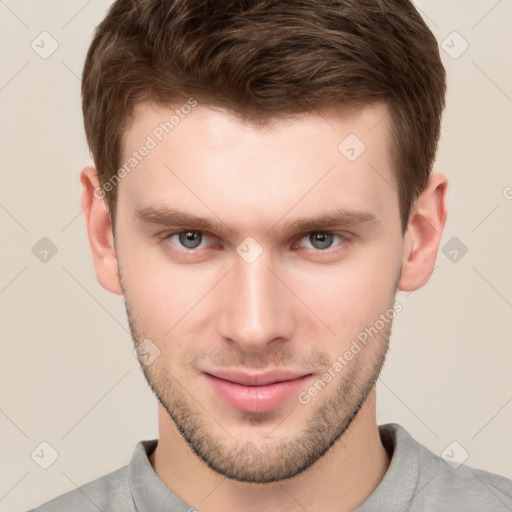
253, 261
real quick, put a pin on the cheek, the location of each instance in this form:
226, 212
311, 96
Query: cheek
352, 295
163, 295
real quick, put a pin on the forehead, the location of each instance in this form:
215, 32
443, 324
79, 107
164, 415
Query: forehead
187, 116
207, 160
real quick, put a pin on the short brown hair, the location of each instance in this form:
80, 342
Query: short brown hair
261, 59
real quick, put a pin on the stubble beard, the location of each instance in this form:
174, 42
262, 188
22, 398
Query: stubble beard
269, 459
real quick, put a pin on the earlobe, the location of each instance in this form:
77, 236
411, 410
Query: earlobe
99, 231
423, 235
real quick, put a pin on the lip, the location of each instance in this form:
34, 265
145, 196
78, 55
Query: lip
256, 392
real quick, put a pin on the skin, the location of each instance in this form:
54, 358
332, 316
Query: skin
299, 305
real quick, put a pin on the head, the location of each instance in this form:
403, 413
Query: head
265, 169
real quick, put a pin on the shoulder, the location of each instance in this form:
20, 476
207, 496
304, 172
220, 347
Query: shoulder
441, 484
459, 485
108, 493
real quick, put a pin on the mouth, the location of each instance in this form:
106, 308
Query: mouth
256, 392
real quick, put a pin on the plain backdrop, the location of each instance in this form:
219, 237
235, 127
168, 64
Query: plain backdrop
68, 374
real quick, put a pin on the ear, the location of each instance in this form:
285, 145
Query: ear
99, 230
423, 235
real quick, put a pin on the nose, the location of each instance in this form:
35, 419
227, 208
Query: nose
257, 309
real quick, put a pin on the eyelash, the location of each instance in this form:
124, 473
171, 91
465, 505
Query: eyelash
345, 239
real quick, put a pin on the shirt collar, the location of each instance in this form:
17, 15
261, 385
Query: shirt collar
150, 494
399, 485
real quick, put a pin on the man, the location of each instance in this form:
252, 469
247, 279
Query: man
262, 188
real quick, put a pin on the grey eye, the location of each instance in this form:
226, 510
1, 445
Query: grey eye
320, 239
190, 239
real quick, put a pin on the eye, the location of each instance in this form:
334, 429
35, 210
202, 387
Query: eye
189, 239
321, 240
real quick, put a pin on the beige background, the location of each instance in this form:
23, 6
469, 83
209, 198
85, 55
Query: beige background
68, 374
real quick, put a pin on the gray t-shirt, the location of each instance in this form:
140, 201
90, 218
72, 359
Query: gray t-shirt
416, 480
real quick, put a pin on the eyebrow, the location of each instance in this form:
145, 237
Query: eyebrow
163, 216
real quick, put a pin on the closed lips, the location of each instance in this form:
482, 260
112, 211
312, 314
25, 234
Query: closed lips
257, 379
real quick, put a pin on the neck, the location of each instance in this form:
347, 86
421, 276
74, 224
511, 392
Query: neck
341, 480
